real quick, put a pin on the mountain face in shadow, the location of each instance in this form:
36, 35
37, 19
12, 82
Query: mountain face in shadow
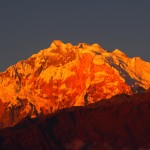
121, 122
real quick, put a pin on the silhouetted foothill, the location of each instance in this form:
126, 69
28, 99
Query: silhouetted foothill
121, 122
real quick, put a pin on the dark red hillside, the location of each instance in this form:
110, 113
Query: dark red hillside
122, 122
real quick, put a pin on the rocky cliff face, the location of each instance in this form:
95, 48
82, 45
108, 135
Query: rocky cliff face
63, 76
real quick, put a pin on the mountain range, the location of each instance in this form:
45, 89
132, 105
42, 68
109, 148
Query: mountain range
64, 88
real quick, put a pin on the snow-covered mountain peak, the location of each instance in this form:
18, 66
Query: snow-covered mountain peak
64, 75
56, 43
119, 53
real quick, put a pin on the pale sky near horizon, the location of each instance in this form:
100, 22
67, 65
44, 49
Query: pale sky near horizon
28, 26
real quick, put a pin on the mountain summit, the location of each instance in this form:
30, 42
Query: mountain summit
63, 76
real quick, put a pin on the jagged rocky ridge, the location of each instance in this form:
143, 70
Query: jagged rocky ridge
63, 76
119, 123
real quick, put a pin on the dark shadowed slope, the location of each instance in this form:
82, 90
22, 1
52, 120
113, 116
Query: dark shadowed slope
122, 122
